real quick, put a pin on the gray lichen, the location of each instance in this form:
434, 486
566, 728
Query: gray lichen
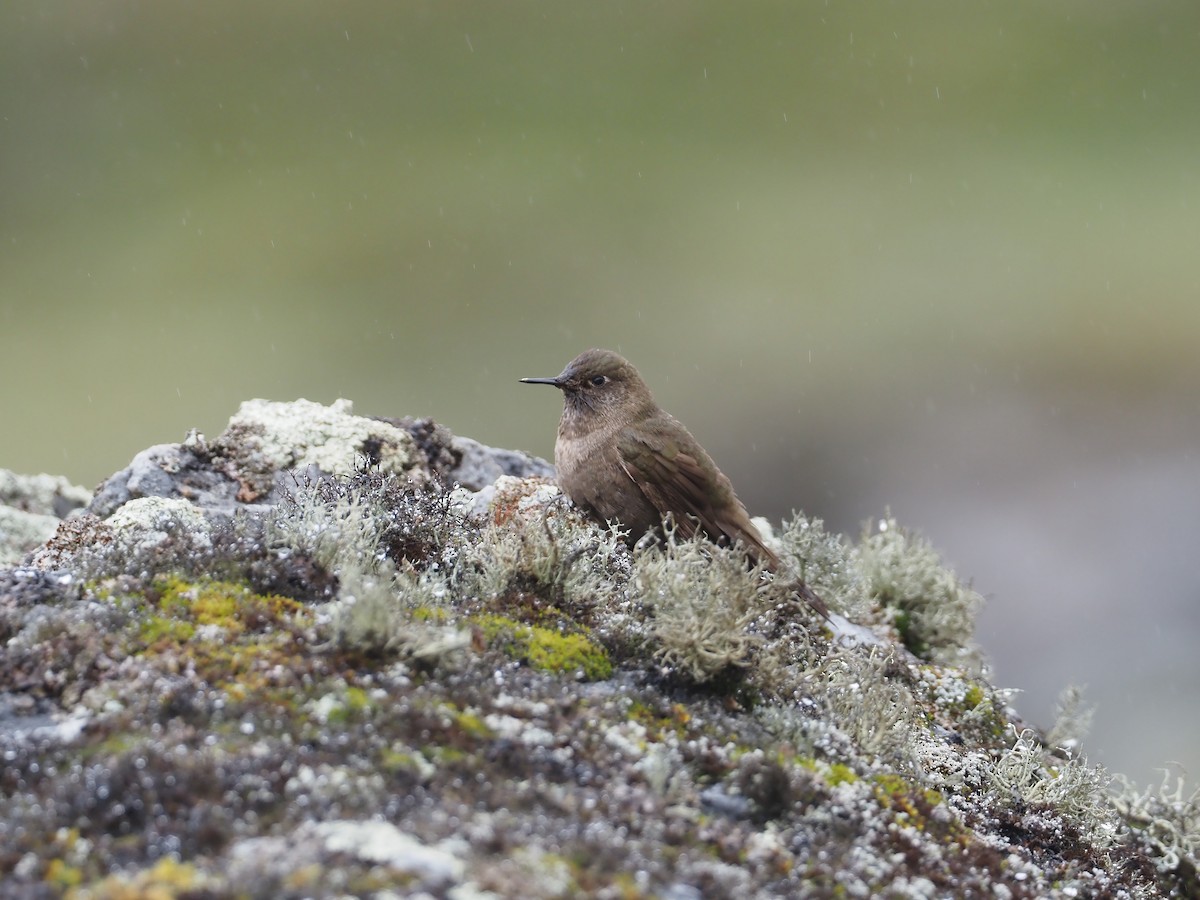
371, 680
704, 605
933, 611
1167, 817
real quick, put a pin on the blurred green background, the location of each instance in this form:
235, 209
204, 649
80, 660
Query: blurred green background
940, 256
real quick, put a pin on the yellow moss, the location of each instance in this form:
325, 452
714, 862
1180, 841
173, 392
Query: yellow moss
303, 878
430, 614
494, 627
214, 606
402, 761
894, 793
554, 652
441, 756
61, 875
226, 604
658, 725
472, 724
354, 701
167, 879
231, 636
162, 628
546, 649
840, 774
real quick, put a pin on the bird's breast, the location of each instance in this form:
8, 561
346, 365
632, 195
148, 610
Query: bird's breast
590, 473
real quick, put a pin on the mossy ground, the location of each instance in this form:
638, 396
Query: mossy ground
526, 697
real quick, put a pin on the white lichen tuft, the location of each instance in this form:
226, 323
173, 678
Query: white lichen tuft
934, 612
339, 529
703, 601
343, 526
876, 712
826, 563
1027, 773
1165, 817
1072, 720
375, 613
548, 550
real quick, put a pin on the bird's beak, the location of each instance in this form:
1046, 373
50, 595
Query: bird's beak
557, 382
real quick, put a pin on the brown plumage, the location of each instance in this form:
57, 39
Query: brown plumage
621, 457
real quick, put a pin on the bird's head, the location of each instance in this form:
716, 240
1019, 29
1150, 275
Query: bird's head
601, 384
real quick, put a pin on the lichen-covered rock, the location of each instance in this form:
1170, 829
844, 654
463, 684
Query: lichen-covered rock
188, 471
327, 655
266, 437
467, 463
268, 446
47, 495
21, 531
31, 507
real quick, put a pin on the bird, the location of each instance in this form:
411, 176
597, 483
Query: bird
620, 457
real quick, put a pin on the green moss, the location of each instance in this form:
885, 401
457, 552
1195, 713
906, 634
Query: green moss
982, 717
974, 696
911, 805
553, 652
495, 627
840, 774
910, 635
349, 706
357, 699
61, 875
397, 761
659, 725
545, 649
156, 629
440, 755
472, 724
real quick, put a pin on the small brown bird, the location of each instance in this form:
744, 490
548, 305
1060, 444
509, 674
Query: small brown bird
620, 456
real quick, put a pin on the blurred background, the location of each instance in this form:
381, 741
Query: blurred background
942, 258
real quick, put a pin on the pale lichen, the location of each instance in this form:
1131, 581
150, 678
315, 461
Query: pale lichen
703, 602
933, 611
1166, 816
499, 678
826, 563
1026, 772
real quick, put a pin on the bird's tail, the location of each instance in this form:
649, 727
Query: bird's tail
810, 597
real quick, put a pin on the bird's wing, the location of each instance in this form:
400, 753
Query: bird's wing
672, 480
682, 480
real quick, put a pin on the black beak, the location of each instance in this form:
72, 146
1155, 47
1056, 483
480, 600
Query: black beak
557, 382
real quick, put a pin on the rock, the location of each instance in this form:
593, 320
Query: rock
466, 462
21, 531
326, 655
31, 507
47, 495
187, 471
480, 465
266, 438
267, 447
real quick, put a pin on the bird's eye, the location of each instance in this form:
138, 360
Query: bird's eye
598, 380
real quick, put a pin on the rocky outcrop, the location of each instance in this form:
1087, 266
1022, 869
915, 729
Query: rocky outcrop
325, 655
